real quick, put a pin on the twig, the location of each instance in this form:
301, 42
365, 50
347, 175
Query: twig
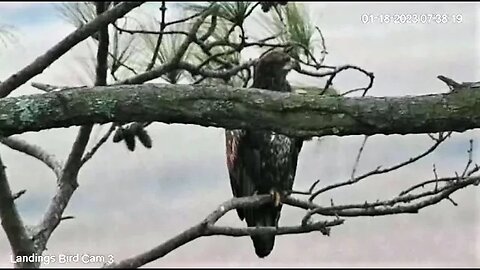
451, 83
210, 30
340, 69
324, 47
473, 170
44, 87
214, 57
18, 194
175, 61
97, 146
149, 32
321, 226
469, 162
381, 171
163, 10
122, 64
187, 18
452, 201
223, 74
66, 218
436, 176
49, 87
436, 180
357, 160
310, 190
353, 91
381, 208
249, 12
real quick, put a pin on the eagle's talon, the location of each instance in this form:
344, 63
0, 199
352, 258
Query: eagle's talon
277, 197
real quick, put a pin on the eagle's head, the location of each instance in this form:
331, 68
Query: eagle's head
271, 71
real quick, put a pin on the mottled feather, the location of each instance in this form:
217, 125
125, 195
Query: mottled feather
261, 161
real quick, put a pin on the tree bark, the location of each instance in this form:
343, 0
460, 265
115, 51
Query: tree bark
227, 107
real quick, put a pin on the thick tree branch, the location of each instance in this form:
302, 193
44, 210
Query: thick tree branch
45, 60
67, 184
12, 223
224, 106
34, 151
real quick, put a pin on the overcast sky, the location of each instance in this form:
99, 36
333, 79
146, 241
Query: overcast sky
130, 202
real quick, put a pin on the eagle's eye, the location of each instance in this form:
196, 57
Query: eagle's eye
286, 58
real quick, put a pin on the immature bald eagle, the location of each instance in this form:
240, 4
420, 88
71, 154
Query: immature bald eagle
261, 162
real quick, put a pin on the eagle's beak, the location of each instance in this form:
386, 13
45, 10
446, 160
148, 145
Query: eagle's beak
292, 64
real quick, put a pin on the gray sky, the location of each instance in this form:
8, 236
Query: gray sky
130, 202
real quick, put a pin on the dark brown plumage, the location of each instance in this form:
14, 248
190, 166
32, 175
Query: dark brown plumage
261, 162
266, 6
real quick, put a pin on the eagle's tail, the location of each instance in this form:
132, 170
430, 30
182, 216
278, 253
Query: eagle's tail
263, 244
265, 216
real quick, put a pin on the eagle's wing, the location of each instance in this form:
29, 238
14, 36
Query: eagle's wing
243, 160
261, 161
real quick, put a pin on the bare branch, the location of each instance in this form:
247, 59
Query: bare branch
67, 184
452, 201
321, 226
12, 223
324, 46
341, 68
207, 228
310, 190
97, 146
18, 194
172, 65
222, 74
210, 30
436, 176
163, 9
388, 207
436, 180
34, 151
120, 63
469, 162
49, 87
45, 60
66, 218
382, 171
423, 184
45, 87
190, 234
357, 160
184, 19
149, 32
